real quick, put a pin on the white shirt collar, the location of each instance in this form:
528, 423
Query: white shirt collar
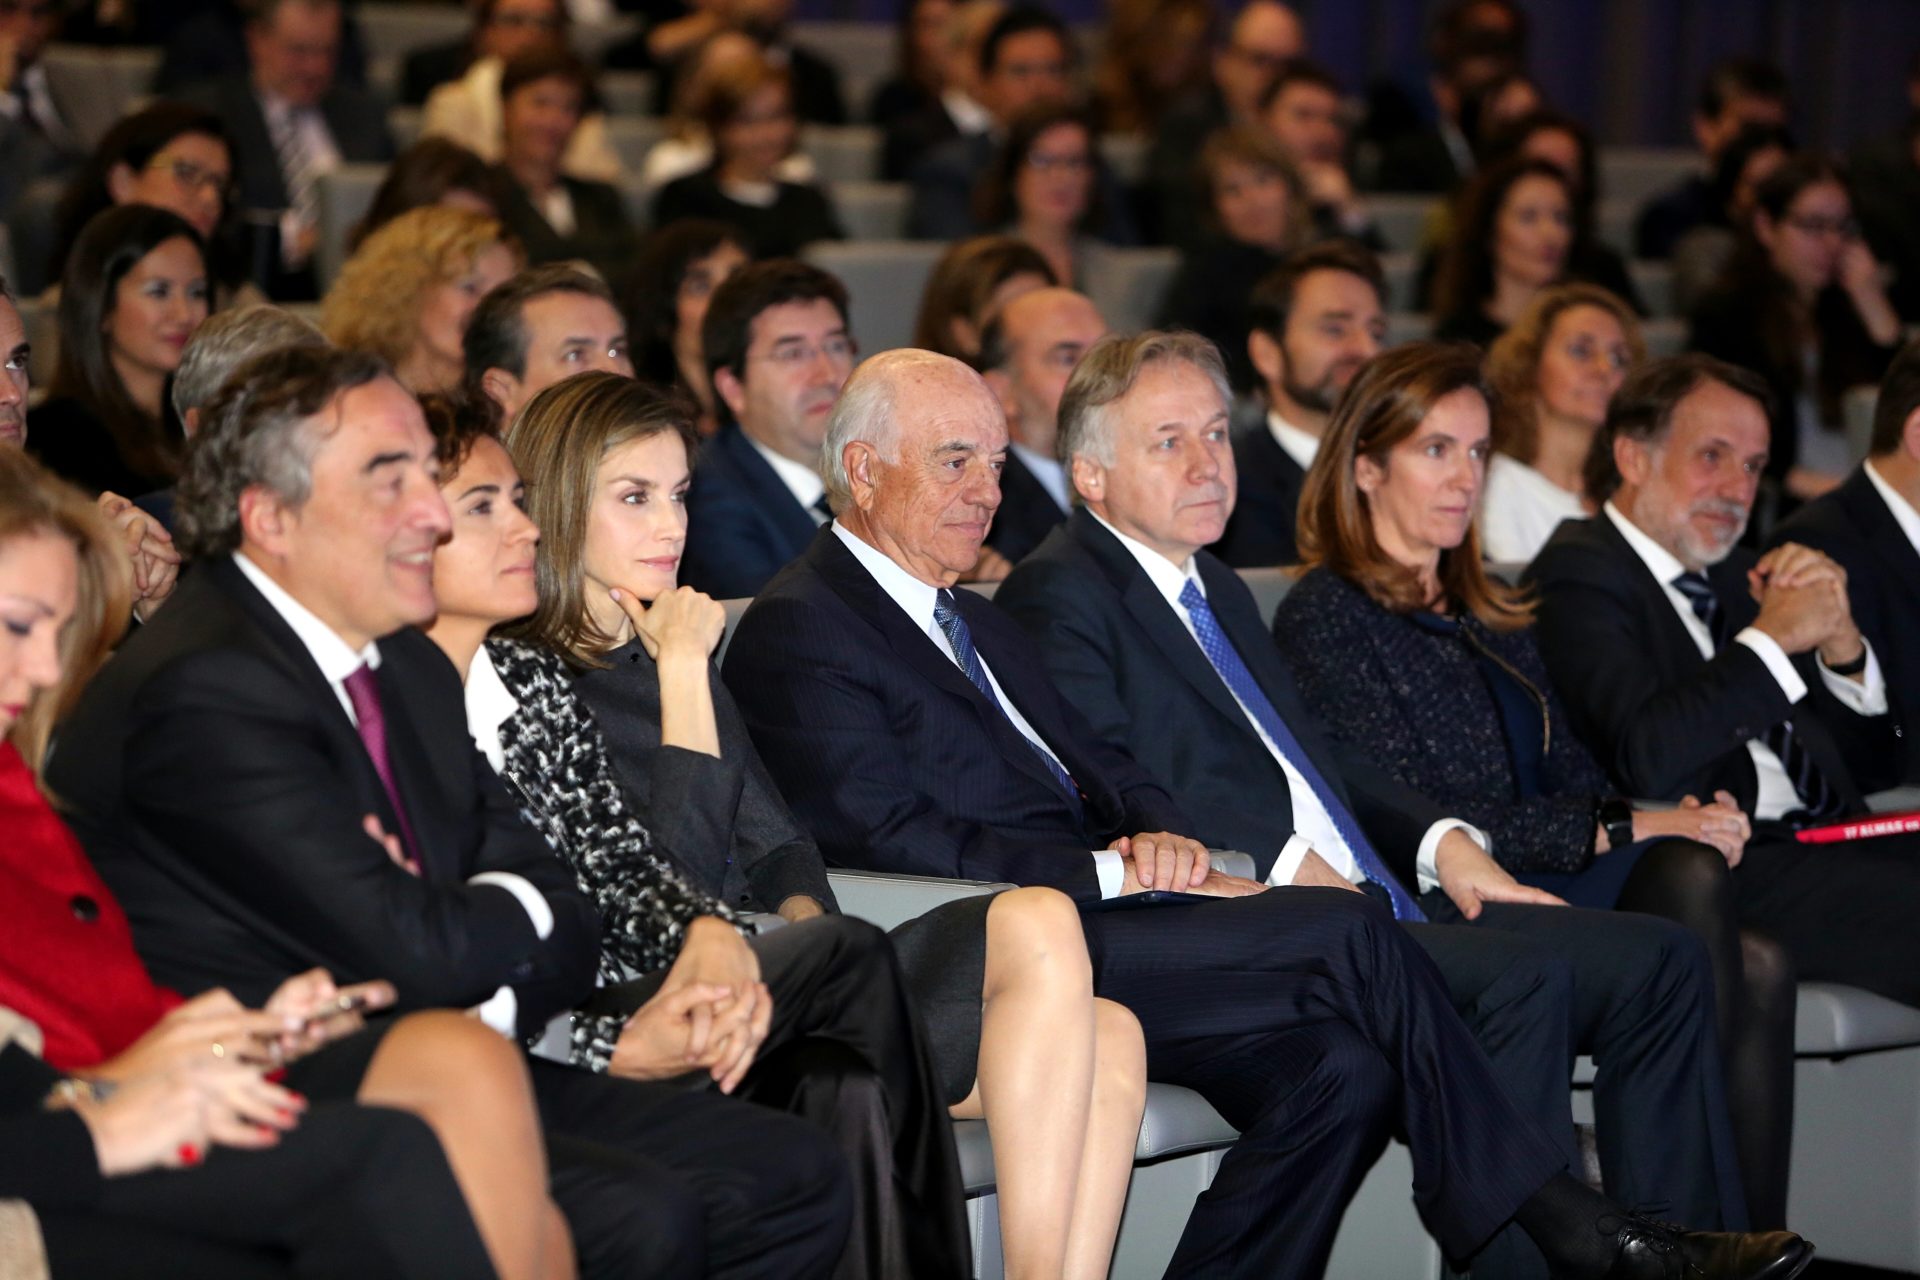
1903, 511
1660, 562
801, 481
1048, 471
915, 598
1302, 446
968, 115
1168, 578
335, 657
490, 704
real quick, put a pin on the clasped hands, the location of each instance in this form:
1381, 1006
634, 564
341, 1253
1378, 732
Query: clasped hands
712, 1013
1803, 603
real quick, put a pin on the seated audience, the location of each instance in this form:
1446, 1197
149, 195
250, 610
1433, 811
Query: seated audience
1801, 305
431, 171
678, 268
1029, 350
687, 147
355, 1160
501, 28
468, 109
915, 106
291, 119
817, 98
1386, 634
1702, 255
1141, 629
1886, 187
746, 109
1564, 143
1257, 215
134, 291
1313, 323
1552, 375
213, 42
1044, 186
1263, 39
1513, 239
970, 283
333, 812
1304, 114
1154, 58
407, 292
1477, 46
37, 134
1870, 526
1682, 683
1002, 981
913, 728
543, 325
777, 352
1025, 62
554, 215
1738, 92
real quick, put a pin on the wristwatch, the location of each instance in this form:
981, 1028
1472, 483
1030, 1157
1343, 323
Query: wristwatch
1615, 816
70, 1091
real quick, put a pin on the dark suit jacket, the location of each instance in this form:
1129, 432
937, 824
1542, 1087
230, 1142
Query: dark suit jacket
355, 118
1027, 511
1668, 217
743, 524
1262, 529
1125, 660
219, 787
1852, 524
1664, 721
721, 819
800, 214
943, 182
894, 761
1418, 161
425, 70
602, 232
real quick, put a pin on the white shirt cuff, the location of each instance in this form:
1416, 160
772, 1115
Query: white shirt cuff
502, 1013
1287, 865
1111, 868
1777, 662
537, 907
1869, 696
1427, 861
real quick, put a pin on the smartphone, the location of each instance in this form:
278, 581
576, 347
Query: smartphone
348, 1001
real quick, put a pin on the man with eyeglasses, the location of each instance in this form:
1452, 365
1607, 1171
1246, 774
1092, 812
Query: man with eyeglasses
778, 351
35, 140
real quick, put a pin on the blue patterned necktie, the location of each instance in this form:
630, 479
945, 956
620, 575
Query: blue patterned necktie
1232, 669
960, 637
1810, 784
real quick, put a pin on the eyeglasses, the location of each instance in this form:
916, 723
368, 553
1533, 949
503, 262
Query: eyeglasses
190, 176
798, 355
1845, 228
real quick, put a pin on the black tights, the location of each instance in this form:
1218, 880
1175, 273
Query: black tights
1753, 986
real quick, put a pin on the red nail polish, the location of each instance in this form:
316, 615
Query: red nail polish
189, 1154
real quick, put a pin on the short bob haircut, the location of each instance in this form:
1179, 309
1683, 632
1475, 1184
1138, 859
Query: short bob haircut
1464, 281
134, 142
962, 285
1390, 397
110, 247
422, 175
1108, 370
1513, 361
375, 304
34, 501
558, 442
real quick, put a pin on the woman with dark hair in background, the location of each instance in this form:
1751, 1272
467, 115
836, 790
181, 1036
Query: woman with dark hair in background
1801, 304
1155, 56
1042, 187
746, 108
1511, 239
135, 289
431, 171
1701, 256
974, 279
920, 64
679, 267
1565, 143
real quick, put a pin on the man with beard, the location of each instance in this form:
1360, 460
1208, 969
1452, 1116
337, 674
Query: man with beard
1690, 667
1314, 322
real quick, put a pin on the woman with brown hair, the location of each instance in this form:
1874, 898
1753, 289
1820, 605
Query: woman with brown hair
1155, 57
973, 280
431, 171
1552, 373
1401, 640
1044, 185
1512, 238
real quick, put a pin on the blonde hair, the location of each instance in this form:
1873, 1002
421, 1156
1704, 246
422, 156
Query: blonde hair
375, 304
1513, 362
33, 501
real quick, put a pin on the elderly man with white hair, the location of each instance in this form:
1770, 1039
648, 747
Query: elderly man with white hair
914, 729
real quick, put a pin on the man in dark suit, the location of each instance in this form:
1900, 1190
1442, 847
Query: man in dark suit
545, 324
1315, 321
1870, 526
278, 776
778, 351
291, 120
36, 136
1142, 629
1026, 352
1691, 668
916, 731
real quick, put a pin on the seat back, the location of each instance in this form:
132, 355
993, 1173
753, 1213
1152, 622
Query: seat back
344, 195
884, 279
872, 210
96, 86
1130, 285
843, 153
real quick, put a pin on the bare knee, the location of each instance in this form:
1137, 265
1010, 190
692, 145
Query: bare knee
445, 1062
1120, 1053
1034, 935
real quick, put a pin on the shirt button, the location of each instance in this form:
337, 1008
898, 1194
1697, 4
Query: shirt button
85, 909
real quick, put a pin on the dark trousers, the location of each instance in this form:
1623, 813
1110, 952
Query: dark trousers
1636, 993
1317, 1027
1845, 912
846, 1053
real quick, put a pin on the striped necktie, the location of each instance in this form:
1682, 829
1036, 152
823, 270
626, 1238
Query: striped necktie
299, 163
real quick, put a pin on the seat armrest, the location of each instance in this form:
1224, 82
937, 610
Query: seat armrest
1232, 862
1896, 800
887, 899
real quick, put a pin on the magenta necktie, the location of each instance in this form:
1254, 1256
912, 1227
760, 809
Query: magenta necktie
365, 696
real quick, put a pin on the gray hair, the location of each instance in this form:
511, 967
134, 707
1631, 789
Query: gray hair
1108, 371
228, 339
262, 430
865, 411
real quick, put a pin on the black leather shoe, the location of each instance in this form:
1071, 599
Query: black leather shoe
1649, 1250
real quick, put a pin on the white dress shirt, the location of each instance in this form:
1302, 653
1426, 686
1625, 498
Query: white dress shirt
1776, 796
32, 89
1048, 471
468, 111
968, 116
1314, 830
337, 660
803, 482
1904, 514
1520, 509
917, 600
1302, 446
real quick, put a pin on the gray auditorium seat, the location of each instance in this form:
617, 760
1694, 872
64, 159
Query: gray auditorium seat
1613, 224
1856, 409
98, 85
843, 153
1269, 587
1129, 285
1636, 175
1665, 335
884, 278
1403, 280
1654, 281
1126, 156
1408, 326
626, 93
1402, 219
345, 195
394, 30
404, 124
862, 51
633, 136
32, 226
872, 210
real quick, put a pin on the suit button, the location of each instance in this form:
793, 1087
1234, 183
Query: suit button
85, 909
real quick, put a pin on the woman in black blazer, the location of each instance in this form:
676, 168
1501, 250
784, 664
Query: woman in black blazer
1400, 641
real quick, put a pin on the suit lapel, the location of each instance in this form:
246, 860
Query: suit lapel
1681, 653
770, 494
1882, 532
